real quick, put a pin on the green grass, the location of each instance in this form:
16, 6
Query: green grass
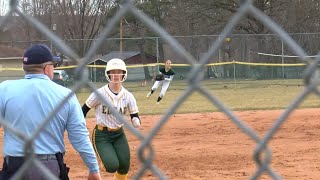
239, 95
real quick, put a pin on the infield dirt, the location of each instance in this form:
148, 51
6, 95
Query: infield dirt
210, 146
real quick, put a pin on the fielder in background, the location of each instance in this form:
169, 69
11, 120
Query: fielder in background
168, 73
25, 105
108, 137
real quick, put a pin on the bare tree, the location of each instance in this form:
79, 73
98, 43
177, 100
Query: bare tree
4, 7
83, 19
157, 10
3, 10
74, 20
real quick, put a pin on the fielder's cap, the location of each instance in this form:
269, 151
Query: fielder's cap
38, 54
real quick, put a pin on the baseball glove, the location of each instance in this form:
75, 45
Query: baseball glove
159, 77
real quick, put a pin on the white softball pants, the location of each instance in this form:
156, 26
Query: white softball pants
165, 85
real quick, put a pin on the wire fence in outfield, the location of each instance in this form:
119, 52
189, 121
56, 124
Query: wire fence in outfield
258, 48
234, 70
262, 152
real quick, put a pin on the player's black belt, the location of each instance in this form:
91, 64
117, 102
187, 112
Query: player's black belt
101, 128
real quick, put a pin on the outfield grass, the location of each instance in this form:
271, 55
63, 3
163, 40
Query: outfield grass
239, 95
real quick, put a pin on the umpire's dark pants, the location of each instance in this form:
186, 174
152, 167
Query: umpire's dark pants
11, 165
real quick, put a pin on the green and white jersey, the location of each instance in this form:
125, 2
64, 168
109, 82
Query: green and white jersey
168, 74
124, 102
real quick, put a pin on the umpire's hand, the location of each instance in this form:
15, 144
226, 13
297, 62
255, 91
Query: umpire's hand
94, 176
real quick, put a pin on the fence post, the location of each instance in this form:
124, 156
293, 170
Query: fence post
157, 46
282, 59
234, 73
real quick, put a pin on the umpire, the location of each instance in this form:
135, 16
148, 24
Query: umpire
25, 104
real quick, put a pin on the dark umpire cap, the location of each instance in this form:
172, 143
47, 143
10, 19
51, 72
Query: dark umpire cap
38, 54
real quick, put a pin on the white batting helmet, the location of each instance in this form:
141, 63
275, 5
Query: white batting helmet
116, 64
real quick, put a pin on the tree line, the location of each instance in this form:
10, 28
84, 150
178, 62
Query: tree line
85, 19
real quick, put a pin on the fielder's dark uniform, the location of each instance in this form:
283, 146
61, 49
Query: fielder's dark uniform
168, 76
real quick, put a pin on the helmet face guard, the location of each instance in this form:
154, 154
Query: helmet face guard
111, 77
115, 64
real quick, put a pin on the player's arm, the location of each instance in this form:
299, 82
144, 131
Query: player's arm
169, 78
91, 102
85, 109
133, 110
161, 70
135, 119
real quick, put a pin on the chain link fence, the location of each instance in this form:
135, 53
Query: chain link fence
243, 56
262, 153
255, 48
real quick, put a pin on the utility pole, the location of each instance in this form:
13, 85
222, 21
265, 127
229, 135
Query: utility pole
54, 28
121, 35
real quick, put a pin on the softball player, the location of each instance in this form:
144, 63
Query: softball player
108, 138
168, 72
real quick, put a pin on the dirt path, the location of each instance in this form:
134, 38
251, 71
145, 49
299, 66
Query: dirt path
210, 146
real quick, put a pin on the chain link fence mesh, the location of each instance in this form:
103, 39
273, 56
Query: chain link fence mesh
262, 153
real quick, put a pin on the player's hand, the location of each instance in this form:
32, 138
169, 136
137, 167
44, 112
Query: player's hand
136, 122
94, 176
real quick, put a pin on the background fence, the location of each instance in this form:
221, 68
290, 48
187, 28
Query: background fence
267, 48
242, 56
199, 52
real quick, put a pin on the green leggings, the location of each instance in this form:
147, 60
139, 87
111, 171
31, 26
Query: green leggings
113, 150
